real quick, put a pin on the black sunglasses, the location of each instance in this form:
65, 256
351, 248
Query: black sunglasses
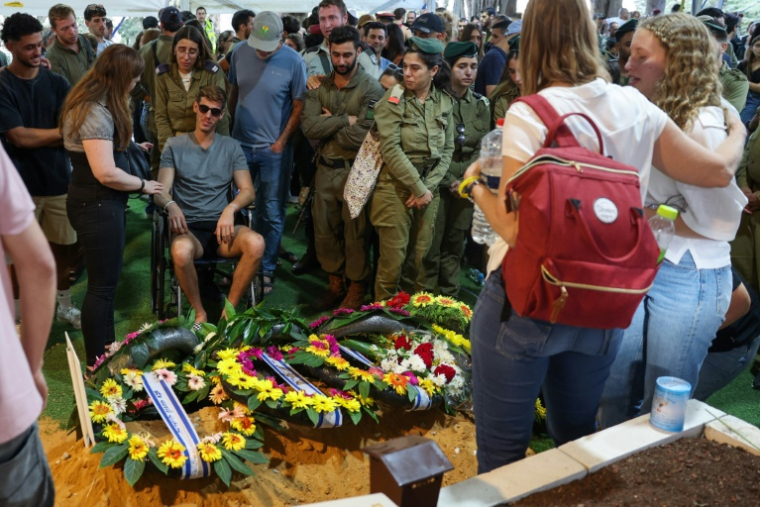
460, 137
395, 68
215, 111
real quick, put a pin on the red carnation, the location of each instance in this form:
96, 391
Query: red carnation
399, 300
402, 342
445, 370
425, 351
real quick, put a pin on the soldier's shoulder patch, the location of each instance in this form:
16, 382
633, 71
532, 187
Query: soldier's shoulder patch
211, 66
396, 94
162, 69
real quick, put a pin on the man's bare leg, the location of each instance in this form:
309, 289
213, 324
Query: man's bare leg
185, 250
249, 246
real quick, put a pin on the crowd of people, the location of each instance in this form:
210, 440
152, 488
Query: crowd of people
229, 119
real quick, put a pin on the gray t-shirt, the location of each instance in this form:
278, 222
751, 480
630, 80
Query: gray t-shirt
267, 91
97, 125
202, 177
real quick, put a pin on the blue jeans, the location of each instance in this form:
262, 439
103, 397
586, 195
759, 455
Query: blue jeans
512, 359
25, 479
669, 335
753, 102
271, 178
721, 368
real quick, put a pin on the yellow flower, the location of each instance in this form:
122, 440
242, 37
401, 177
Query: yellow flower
138, 449
267, 391
245, 425
241, 380
350, 405
209, 452
192, 370
163, 363
227, 354
540, 410
428, 386
323, 403
298, 399
454, 338
126, 371
110, 389
99, 411
365, 402
229, 366
172, 454
311, 349
398, 382
338, 363
422, 299
115, 433
217, 394
362, 375
233, 442
444, 301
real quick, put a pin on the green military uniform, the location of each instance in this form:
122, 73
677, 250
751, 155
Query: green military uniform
174, 105
735, 86
501, 97
317, 59
71, 65
342, 243
745, 248
454, 216
154, 53
417, 142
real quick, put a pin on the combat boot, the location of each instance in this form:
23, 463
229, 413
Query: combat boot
355, 297
336, 291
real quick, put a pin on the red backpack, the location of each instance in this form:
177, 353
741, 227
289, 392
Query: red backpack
584, 255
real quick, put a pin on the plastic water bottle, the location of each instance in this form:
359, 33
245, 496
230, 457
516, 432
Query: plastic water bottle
490, 169
664, 227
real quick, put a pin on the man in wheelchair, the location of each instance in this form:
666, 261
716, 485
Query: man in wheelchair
196, 170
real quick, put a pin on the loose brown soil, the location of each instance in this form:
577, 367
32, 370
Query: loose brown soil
306, 465
690, 472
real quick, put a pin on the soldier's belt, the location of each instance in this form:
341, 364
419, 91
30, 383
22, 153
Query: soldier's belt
336, 162
424, 167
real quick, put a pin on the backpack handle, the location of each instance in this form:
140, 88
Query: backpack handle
558, 131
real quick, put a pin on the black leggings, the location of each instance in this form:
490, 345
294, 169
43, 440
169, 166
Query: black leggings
98, 216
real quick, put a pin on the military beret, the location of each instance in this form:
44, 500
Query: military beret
455, 49
628, 26
430, 46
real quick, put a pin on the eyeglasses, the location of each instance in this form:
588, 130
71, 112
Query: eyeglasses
460, 135
215, 111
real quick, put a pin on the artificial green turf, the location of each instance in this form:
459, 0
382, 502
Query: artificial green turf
133, 309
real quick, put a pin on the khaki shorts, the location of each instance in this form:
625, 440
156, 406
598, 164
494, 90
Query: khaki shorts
52, 216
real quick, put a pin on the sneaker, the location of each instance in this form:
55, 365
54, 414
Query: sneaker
70, 315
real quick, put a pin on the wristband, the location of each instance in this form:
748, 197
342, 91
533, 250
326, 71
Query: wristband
169, 203
142, 185
466, 186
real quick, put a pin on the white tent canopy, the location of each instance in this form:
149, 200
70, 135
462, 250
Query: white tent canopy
141, 8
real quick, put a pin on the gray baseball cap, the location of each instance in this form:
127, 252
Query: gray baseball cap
267, 31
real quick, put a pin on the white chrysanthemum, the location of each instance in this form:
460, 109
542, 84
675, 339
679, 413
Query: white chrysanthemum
134, 381
439, 380
439, 348
415, 363
388, 364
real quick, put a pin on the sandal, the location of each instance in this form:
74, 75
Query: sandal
267, 284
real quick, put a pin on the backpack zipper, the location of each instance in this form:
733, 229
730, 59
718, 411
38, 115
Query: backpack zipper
561, 301
567, 163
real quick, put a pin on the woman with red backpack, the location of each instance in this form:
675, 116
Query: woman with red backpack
514, 354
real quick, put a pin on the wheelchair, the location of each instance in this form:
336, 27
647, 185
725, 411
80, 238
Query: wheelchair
162, 268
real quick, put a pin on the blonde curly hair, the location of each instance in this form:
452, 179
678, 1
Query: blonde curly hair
691, 78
